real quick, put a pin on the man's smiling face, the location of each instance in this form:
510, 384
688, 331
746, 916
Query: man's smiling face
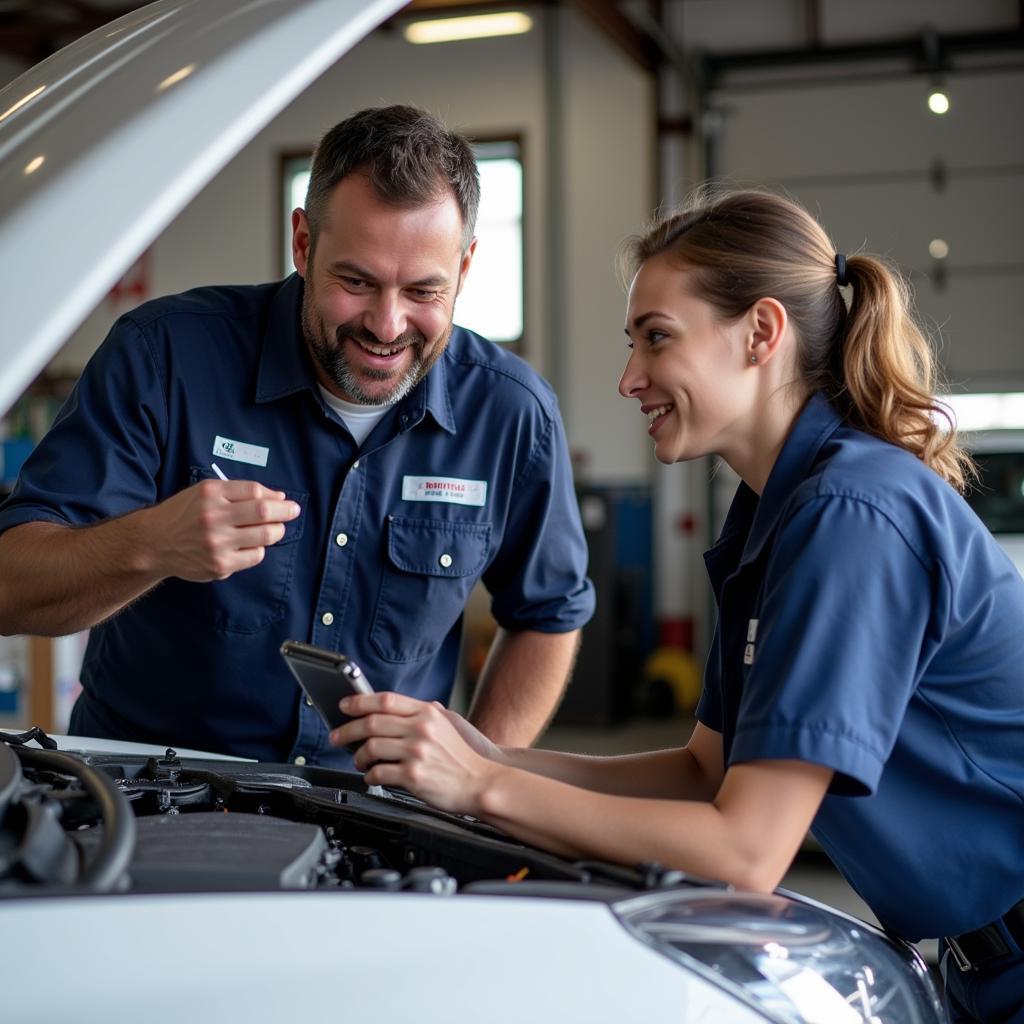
380, 289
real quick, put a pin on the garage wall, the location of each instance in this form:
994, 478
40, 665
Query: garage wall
891, 184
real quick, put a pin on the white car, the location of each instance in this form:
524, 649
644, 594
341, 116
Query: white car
145, 885
998, 496
163, 887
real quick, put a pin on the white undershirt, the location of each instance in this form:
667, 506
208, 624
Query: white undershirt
360, 419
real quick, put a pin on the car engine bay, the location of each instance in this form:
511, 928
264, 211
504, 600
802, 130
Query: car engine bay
163, 824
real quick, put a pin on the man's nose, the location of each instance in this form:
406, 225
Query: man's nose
385, 317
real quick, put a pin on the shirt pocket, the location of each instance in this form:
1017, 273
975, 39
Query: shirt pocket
250, 599
430, 569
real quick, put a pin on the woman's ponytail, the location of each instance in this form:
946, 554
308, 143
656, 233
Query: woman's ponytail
886, 383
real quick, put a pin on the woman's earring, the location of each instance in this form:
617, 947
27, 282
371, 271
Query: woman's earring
753, 359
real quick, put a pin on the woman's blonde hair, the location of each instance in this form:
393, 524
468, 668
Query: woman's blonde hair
871, 360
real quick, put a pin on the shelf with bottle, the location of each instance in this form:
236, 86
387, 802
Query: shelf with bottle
27, 421
39, 680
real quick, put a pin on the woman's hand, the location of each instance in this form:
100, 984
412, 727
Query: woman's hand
473, 737
419, 747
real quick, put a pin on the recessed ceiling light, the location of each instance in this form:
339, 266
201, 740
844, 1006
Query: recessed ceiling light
938, 101
938, 248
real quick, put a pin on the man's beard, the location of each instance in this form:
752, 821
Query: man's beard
330, 355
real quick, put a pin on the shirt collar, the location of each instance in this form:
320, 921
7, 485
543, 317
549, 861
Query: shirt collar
432, 395
285, 366
756, 519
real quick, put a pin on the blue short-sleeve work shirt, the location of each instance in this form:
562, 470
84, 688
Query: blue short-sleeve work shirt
869, 622
466, 478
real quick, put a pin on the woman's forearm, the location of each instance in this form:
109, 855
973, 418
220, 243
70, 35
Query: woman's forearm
668, 774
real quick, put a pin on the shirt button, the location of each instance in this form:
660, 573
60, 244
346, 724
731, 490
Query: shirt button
341, 540
327, 618
355, 465
445, 560
300, 760
309, 703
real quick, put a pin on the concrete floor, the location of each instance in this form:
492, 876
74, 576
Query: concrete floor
811, 874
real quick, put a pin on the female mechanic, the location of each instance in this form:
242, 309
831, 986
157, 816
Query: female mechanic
866, 677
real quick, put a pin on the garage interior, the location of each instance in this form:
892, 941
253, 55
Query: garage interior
897, 122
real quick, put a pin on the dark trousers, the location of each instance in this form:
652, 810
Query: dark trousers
992, 995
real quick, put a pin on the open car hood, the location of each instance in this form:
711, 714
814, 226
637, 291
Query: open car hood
102, 144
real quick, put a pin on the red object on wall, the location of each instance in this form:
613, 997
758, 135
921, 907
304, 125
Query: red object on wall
676, 633
687, 523
133, 287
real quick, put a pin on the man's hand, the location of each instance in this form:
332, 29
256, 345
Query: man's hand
217, 528
57, 579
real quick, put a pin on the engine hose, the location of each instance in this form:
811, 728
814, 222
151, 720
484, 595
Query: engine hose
107, 868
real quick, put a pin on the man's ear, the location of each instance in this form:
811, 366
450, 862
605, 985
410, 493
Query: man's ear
467, 259
767, 320
301, 241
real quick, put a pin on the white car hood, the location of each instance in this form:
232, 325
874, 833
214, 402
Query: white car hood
102, 144
353, 956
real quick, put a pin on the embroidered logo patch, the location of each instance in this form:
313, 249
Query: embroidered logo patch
449, 489
239, 451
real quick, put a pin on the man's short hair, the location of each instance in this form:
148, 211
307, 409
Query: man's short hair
410, 158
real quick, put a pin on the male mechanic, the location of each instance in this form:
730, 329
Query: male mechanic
325, 459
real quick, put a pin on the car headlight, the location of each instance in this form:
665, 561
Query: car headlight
796, 962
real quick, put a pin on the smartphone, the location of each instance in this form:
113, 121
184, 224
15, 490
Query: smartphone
325, 677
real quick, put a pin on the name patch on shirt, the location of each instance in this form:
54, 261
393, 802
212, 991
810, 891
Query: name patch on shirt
239, 451
748, 651
444, 488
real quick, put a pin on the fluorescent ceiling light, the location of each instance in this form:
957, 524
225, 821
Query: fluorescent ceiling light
475, 26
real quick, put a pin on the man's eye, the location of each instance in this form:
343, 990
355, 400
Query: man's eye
423, 294
655, 336
355, 283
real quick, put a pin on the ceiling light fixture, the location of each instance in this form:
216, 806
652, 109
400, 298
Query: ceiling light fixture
476, 26
938, 100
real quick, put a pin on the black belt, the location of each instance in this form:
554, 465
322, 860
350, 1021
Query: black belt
973, 949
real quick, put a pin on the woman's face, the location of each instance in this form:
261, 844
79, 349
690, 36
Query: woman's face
690, 372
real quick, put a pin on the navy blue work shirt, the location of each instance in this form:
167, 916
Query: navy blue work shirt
869, 622
466, 478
